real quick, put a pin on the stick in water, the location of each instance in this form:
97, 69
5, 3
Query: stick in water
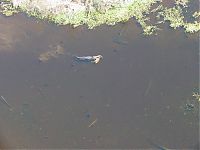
92, 123
5, 101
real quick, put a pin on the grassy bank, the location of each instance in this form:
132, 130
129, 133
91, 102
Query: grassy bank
96, 12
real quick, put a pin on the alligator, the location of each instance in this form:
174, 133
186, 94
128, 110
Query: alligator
90, 59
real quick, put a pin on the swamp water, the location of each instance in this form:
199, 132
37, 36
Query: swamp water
135, 96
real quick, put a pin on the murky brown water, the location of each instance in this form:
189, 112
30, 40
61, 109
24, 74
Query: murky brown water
136, 94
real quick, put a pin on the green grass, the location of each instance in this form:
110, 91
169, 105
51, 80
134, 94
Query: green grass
139, 9
7, 8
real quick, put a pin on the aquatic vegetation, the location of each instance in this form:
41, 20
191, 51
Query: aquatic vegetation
174, 16
183, 3
189, 107
54, 52
94, 18
196, 95
6, 8
196, 14
94, 13
99, 13
191, 104
192, 27
149, 30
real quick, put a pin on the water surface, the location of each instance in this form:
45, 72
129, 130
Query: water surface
136, 93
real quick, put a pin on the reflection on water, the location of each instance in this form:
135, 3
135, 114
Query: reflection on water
13, 33
7, 37
135, 93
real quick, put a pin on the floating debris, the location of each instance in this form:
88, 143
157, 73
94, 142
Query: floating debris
89, 59
92, 124
156, 145
148, 88
5, 101
189, 107
53, 53
159, 22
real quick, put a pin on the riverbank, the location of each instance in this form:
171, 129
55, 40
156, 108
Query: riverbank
93, 13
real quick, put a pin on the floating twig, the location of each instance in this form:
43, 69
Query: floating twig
92, 123
156, 145
148, 88
5, 101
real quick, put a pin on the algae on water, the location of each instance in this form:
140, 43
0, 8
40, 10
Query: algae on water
176, 18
